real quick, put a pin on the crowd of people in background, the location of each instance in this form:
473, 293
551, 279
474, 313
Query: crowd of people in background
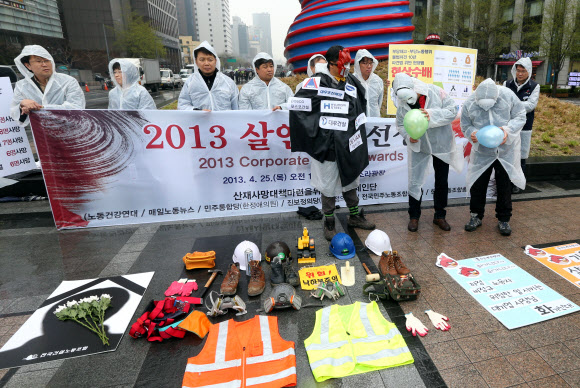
335, 169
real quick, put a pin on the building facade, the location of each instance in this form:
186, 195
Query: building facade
522, 22
188, 44
212, 20
186, 18
262, 24
28, 22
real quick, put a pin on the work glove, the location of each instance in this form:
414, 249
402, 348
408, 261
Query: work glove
438, 320
188, 288
175, 287
415, 326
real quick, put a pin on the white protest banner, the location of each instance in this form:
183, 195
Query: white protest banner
126, 167
15, 154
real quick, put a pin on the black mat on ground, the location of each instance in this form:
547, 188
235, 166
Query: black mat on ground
424, 364
529, 190
567, 185
26, 220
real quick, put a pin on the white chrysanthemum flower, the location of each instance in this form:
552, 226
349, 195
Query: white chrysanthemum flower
106, 296
71, 303
59, 309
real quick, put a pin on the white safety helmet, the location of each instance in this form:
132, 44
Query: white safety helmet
240, 253
378, 242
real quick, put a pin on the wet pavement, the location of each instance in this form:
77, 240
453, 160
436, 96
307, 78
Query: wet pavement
99, 99
477, 352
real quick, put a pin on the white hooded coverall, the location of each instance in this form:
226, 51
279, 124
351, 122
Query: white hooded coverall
374, 85
256, 95
438, 141
195, 95
309, 70
130, 95
62, 91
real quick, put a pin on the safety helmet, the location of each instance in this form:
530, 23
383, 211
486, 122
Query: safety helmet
275, 249
240, 253
342, 246
378, 242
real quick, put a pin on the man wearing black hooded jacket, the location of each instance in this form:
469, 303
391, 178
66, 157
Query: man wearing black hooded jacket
334, 135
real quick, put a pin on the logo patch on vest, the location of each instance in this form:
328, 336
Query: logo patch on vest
334, 123
361, 119
328, 106
311, 83
350, 90
329, 92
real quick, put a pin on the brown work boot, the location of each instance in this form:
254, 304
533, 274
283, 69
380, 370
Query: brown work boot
257, 280
399, 266
360, 221
230, 283
413, 225
386, 264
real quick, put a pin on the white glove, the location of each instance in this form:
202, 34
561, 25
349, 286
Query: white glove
438, 320
415, 325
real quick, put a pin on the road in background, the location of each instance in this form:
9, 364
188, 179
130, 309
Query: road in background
99, 99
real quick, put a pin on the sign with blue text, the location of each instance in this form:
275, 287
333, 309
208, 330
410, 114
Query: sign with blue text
509, 293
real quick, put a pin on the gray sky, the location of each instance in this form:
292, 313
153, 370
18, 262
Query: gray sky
282, 14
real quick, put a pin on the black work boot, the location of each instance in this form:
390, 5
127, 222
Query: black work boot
329, 230
276, 272
291, 274
359, 221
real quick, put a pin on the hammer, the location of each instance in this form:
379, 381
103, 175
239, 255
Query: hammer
371, 277
215, 273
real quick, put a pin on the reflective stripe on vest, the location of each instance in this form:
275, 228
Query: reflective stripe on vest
357, 348
279, 355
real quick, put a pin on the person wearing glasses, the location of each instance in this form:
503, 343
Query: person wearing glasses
42, 87
364, 68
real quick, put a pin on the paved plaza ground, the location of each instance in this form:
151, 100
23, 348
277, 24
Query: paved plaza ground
478, 351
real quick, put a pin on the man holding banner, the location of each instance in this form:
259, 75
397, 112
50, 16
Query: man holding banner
332, 132
264, 91
436, 147
42, 87
208, 88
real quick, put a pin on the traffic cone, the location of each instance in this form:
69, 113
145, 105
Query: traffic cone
106, 88
87, 88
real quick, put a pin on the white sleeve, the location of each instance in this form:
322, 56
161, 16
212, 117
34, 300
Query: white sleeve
146, 102
17, 97
184, 100
532, 101
244, 99
74, 96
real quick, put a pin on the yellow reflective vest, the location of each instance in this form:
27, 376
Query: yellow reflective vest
353, 339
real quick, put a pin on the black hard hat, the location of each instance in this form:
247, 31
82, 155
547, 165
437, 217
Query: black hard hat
275, 249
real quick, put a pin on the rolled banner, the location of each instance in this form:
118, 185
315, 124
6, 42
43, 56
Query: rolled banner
490, 136
415, 123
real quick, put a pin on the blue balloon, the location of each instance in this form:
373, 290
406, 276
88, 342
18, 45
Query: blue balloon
490, 136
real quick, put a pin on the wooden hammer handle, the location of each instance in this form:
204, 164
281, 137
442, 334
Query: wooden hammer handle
210, 281
367, 268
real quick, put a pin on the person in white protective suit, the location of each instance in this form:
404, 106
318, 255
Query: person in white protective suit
311, 70
264, 91
493, 105
42, 87
528, 91
435, 148
364, 70
128, 94
208, 88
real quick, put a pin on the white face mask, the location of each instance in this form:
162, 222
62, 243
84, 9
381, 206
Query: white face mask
320, 68
345, 70
486, 103
407, 95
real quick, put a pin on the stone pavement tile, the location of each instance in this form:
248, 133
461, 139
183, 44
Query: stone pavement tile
471, 306
498, 372
446, 354
448, 307
574, 345
478, 348
463, 376
486, 322
406, 375
455, 289
3, 372
539, 334
463, 326
523, 385
415, 306
548, 382
563, 287
508, 342
530, 365
32, 379
434, 336
572, 378
559, 357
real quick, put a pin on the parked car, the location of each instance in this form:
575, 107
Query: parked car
167, 79
177, 80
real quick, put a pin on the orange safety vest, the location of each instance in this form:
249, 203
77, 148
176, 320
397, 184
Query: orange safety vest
243, 354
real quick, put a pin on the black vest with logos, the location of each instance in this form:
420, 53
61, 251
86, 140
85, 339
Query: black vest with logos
524, 93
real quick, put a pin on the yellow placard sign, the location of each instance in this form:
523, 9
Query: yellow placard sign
562, 259
311, 276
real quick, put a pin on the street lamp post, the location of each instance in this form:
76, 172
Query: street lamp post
106, 43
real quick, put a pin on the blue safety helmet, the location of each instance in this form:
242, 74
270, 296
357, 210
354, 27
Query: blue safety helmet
342, 246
